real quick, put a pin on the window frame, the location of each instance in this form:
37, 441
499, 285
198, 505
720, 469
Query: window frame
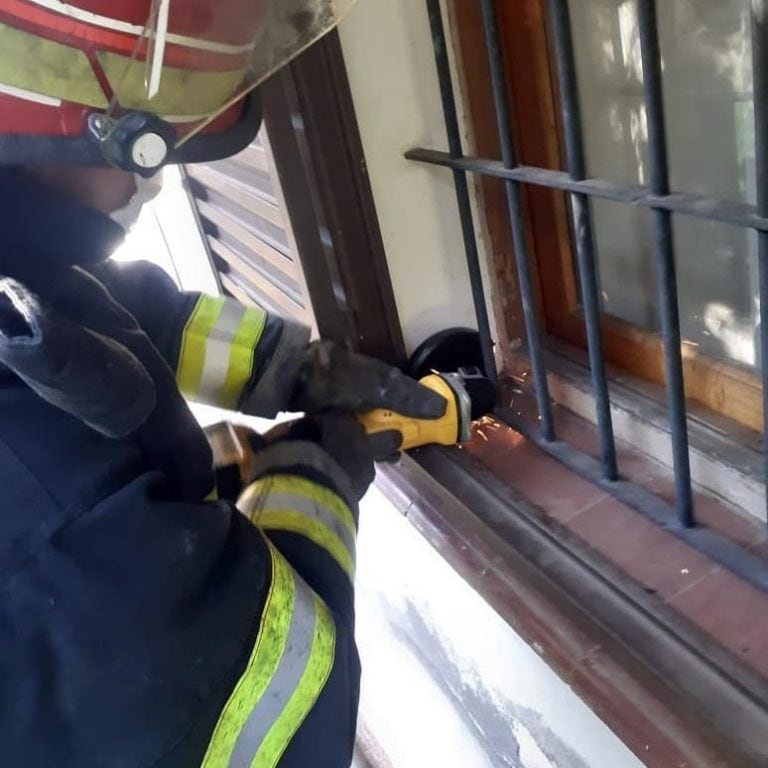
725, 388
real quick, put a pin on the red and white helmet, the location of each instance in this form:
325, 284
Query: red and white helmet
142, 83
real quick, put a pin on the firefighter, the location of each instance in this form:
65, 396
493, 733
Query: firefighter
142, 622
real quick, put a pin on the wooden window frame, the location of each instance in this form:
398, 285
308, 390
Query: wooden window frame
725, 388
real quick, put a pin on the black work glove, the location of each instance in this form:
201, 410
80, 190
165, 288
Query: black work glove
332, 378
64, 335
343, 439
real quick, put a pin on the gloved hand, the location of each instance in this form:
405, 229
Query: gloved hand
64, 335
332, 378
342, 438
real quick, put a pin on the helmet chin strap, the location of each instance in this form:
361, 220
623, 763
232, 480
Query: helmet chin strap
146, 191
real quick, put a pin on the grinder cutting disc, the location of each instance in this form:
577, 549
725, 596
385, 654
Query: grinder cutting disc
447, 351
450, 364
457, 355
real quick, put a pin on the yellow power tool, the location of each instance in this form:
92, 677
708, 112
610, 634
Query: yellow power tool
468, 393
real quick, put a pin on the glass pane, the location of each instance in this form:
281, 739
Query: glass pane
626, 262
717, 279
706, 60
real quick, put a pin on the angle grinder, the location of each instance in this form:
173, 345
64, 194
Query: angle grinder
469, 394
449, 363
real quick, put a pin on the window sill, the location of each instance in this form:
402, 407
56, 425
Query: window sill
726, 462
667, 648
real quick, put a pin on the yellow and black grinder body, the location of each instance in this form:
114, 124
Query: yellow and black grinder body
449, 363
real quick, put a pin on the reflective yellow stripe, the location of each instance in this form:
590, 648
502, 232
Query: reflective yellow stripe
297, 505
182, 91
267, 652
290, 664
118, 25
312, 682
218, 349
194, 340
45, 67
303, 487
313, 529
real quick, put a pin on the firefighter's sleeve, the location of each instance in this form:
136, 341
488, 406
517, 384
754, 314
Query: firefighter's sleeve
224, 353
304, 503
304, 664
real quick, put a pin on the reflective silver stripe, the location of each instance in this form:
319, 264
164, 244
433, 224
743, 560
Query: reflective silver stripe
276, 457
217, 350
285, 680
292, 659
309, 508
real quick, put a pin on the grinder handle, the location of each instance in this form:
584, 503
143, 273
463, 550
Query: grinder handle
444, 430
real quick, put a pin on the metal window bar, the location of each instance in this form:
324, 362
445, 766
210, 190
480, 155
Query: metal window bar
666, 272
680, 519
760, 86
519, 236
460, 182
582, 224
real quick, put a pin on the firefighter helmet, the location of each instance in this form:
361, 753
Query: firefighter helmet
142, 83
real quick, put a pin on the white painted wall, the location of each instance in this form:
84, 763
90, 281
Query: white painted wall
446, 682
388, 51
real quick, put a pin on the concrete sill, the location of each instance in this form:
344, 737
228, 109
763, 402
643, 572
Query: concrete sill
650, 651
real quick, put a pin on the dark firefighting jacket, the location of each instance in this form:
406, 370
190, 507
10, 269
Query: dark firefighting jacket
141, 625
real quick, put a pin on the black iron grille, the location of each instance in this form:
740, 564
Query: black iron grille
663, 203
